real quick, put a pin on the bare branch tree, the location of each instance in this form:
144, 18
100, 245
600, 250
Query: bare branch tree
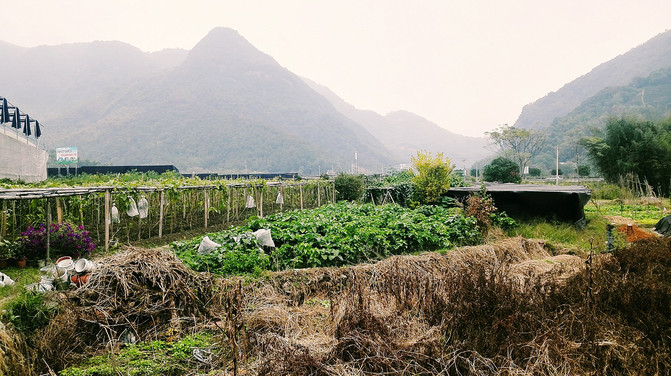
519, 145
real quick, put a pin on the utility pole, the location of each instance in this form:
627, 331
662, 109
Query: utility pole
557, 168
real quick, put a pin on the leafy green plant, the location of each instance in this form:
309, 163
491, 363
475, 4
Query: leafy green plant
333, 235
502, 170
9, 248
29, 312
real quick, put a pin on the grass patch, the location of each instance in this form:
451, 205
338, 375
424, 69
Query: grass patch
162, 358
22, 277
646, 212
566, 234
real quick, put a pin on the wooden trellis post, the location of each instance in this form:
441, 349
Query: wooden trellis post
160, 214
228, 206
59, 210
206, 204
4, 218
301, 192
108, 220
261, 203
48, 227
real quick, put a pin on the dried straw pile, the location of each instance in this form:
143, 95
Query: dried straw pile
385, 318
137, 294
14, 354
509, 308
504, 309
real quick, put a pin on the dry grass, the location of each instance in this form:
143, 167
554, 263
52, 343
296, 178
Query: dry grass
508, 308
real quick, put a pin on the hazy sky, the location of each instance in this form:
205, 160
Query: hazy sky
466, 65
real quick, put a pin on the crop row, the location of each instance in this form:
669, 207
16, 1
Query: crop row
332, 235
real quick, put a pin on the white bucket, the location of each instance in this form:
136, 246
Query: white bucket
83, 266
65, 263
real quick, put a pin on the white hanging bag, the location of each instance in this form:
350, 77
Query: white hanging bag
114, 214
250, 202
132, 208
143, 207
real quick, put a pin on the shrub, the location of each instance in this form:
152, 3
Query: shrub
502, 170
348, 187
433, 176
64, 239
534, 171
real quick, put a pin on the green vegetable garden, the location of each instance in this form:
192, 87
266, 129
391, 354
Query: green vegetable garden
347, 276
333, 235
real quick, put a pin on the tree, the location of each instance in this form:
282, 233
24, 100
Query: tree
502, 170
519, 145
534, 171
583, 170
432, 178
554, 172
349, 187
637, 147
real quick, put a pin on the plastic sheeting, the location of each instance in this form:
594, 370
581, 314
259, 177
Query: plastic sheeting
207, 245
21, 160
663, 226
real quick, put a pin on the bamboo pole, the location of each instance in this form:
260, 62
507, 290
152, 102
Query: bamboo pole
81, 212
206, 204
108, 220
13, 218
334, 192
319, 196
261, 203
59, 210
301, 191
228, 206
160, 214
48, 232
4, 218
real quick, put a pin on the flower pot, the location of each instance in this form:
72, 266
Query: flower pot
3, 263
66, 263
83, 266
21, 263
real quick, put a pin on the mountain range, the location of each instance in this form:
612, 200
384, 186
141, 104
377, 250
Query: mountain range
638, 62
636, 85
223, 106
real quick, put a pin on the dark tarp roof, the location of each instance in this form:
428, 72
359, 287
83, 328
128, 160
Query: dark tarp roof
565, 203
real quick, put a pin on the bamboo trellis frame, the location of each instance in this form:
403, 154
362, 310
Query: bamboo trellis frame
174, 209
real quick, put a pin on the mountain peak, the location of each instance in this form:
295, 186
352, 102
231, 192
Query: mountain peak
226, 48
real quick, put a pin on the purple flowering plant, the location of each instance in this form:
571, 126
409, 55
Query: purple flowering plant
64, 239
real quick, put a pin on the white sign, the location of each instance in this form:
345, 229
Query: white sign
67, 155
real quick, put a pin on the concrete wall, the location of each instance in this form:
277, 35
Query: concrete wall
21, 158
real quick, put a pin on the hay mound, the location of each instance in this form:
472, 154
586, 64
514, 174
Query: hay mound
499, 309
134, 295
